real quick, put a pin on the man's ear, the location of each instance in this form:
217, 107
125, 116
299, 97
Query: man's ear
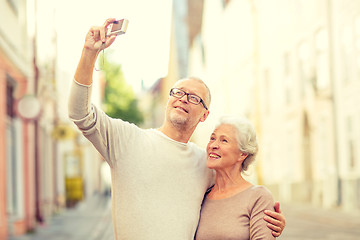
204, 116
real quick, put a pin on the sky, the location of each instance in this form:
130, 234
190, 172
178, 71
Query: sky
143, 51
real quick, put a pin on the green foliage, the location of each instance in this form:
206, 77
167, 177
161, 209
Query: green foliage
119, 100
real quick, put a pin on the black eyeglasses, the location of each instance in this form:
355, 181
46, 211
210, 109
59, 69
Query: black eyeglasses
194, 99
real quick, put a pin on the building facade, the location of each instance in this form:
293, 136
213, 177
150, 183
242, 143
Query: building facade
16, 77
40, 149
294, 71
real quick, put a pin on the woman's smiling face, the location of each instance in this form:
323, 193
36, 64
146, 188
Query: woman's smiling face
223, 149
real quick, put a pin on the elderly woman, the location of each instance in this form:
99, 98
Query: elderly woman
234, 208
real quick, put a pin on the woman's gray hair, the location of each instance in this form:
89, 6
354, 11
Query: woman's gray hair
245, 136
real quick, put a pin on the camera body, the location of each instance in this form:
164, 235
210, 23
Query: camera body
117, 27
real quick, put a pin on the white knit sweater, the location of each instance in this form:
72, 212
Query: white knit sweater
158, 184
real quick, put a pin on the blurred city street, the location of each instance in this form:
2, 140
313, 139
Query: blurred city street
310, 223
91, 220
291, 67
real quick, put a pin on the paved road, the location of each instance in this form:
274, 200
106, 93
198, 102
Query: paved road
91, 220
310, 223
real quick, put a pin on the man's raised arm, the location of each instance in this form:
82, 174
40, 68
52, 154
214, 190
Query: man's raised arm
79, 98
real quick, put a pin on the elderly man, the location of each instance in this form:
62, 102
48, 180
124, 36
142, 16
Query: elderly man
158, 177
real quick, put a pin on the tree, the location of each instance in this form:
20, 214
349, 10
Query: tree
119, 100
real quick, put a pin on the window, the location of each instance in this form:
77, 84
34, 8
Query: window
267, 91
357, 44
288, 83
346, 51
14, 4
304, 67
11, 153
322, 60
225, 3
351, 142
9, 97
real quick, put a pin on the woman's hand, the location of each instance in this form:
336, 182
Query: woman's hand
276, 221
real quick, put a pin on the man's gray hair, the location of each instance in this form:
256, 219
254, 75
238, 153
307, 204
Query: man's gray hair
208, 97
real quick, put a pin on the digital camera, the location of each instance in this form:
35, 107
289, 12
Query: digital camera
118, 27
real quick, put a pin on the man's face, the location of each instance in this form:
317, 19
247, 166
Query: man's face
180, 112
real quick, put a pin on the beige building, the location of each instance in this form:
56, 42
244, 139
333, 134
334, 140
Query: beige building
292, 67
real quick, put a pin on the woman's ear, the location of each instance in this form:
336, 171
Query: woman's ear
243, 156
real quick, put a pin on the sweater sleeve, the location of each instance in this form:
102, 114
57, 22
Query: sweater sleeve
79, 100
108, 135
263, 200
93, 123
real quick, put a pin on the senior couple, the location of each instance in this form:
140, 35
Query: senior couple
161, 182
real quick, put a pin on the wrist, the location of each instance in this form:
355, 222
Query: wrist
89, 53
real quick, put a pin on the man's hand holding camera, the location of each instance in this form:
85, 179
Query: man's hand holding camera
96, 38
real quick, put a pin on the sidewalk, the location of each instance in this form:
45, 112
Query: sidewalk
90, 220
311, 223
335, 217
